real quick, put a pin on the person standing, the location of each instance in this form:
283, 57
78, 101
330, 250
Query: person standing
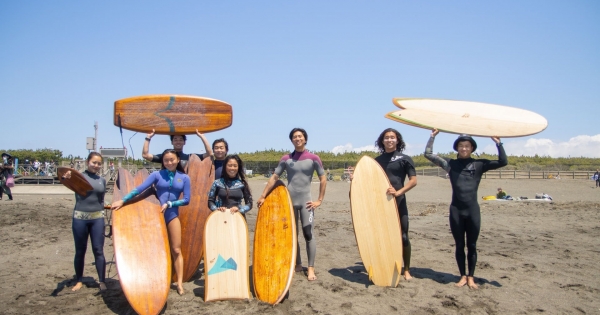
178, 142
88, 222
465, 218
220, 147
397, 167
300, 166
228, 191
6, 171
597, 176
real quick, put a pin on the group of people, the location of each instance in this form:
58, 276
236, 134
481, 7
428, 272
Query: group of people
230, 188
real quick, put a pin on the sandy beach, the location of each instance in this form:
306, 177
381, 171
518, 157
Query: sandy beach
533, 257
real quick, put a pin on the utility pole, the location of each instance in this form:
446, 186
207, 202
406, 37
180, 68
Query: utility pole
95, 136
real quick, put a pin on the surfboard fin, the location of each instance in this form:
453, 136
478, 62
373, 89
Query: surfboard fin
370, 272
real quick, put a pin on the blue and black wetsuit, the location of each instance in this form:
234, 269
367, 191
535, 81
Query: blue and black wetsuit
397, 166
88, 222
465, 217
229, 193
169, 186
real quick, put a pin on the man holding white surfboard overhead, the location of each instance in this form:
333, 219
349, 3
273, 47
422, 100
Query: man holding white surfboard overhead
300, 166
397, 167
178, 141
465, 218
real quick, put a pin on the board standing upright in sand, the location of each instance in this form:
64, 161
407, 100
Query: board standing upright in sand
300, 166
465, 217
397, 167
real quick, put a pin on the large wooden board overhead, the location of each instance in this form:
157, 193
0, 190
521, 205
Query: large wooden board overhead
141, 247
275, 246
76, 183
376, 223
193, 216
226, 257
172, 114
472, 118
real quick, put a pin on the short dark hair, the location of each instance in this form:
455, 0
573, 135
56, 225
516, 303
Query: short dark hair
173, 136
162, 161
301, 130
92, 154
221, 140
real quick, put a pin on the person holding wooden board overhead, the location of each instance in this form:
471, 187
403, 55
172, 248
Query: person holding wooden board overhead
220, 147
397, 167
88, 221
300, 166
228, 191
465, 219
170, 182
178, 141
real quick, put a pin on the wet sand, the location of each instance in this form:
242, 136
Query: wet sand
533, 257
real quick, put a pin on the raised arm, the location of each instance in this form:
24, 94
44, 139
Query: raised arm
145, 151
439, 161
502, 158
207, 147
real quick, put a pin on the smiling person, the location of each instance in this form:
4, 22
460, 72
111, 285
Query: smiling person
220, 147
397, 167
88, 221
300, 166
227, 192
170, 182
465, 217
178, 142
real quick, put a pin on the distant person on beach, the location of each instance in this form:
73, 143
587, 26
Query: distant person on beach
397, 167
36, 166
178, 142
300, 166
88, 222
597, 176
6, 171
220, 147
171, 183
501, 194
228, 191
465, 217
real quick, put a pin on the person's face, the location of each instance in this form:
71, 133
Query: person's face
170, 161
231, 168
94, 164
220, 150
390, 141
298, 139
178, 143
464, 149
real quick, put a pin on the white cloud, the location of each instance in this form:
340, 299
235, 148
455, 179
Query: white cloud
349, 148
583, 145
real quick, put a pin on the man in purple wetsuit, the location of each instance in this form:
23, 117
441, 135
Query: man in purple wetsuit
300, 166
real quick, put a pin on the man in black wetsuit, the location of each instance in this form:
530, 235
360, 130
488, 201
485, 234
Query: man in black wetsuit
465, 218
178, 142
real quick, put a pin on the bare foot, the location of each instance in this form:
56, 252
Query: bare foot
471, 283
77, 286
311, 274
462, 281
180, 290
407, 275
102, 286
299, 268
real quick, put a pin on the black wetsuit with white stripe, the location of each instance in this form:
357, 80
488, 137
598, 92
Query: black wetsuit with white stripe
465, 217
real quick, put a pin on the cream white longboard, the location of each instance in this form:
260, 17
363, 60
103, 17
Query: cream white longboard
461, 117
376, 223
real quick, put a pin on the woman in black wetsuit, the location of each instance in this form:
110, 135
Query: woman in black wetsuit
397, 166
465, 174
228, 191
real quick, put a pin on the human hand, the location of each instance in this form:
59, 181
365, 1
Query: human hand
116, 205
434, 132
67, 175
234, 209
391, 191
260, 201
312, 205
164, 207
199, 133
222, 209
496, 139
150, 135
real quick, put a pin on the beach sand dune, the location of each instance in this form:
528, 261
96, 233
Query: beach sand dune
533, 257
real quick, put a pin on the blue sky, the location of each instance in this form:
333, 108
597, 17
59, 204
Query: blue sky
331, 67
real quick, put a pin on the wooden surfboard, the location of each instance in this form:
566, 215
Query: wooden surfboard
376, 223
193, 216
226, 257
141, 247
472, 118
76, 183
275, 246
172, 114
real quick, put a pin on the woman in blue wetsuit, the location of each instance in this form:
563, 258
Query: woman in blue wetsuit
170, 182
397, 167
88, 222
227, 192
465, 218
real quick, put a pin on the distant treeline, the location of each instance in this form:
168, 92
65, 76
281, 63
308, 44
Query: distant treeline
334, 161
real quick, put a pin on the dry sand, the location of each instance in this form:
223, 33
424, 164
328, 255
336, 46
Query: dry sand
534, 257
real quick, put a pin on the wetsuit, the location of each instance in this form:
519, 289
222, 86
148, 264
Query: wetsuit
229, 193
300, 167
465, 217
169, 186
397, 166
218, 167
88, 221
184, 157
597, 175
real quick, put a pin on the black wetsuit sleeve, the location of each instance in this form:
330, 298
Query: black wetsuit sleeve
495, 164
247, 199
437, 160
157, 158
